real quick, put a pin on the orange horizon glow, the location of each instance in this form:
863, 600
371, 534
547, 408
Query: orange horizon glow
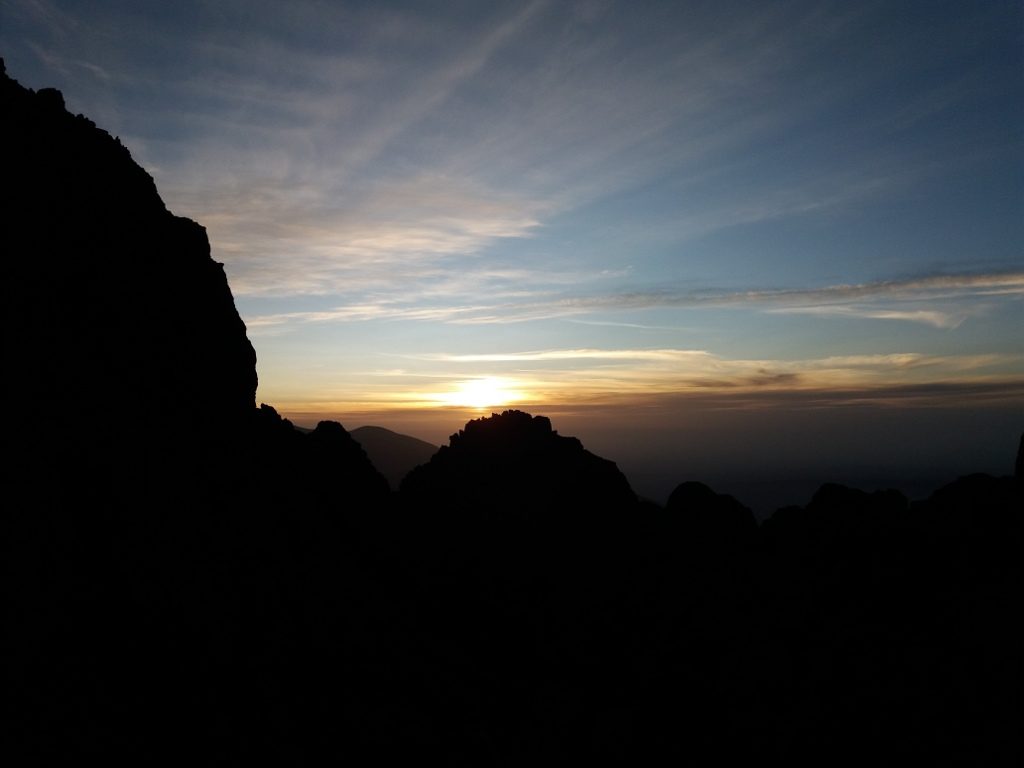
692, 375
481, 393
434, 416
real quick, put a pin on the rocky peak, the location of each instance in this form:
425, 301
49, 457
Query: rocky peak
110, 299
516, 463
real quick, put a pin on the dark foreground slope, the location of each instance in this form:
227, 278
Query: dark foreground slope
189, 579
160, 534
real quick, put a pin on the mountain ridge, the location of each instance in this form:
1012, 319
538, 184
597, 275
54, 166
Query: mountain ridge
393, 454
189, 574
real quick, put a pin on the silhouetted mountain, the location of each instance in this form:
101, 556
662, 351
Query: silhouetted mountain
190, 578
394, 455
515, 464
322, 468
706, 514
160, 532
113, 306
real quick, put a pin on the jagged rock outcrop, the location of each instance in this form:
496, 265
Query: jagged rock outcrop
119, 329
111, 299
324, 469
515, 465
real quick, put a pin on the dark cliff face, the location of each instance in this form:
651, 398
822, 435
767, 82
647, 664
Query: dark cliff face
112, 304
157, 527
133, 382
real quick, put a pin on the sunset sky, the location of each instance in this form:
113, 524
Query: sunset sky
690, 229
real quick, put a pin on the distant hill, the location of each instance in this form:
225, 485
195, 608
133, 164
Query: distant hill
394, 455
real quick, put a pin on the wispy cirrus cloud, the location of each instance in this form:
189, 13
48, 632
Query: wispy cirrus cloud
384, 237
307, 179
934, 318
941, 301
453, 171
912, 299
660, 355
358, 312
702, 362
391, 139
910, 289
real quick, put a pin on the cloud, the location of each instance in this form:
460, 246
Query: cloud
670, 370
882, 300
702, 358
928, 286
660, 355
438, 86
933, 318
327, 151
367, 163
613, 324
558, 378
859, 300
392, 149
916, 288
384, 234
359, 312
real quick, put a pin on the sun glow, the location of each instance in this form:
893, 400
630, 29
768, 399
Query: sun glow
485, 392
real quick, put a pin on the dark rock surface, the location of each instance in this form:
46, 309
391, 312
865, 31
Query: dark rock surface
705, 514
515, 464
111, 300
121, 331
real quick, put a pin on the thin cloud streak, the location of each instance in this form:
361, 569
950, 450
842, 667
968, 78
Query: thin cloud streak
930, 288
638, 377
844, 300
690, 356
933, 318
312, 223
279, 172
662, 355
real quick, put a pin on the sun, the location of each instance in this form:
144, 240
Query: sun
485, 392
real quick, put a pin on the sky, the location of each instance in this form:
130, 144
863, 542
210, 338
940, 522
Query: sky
726, 240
